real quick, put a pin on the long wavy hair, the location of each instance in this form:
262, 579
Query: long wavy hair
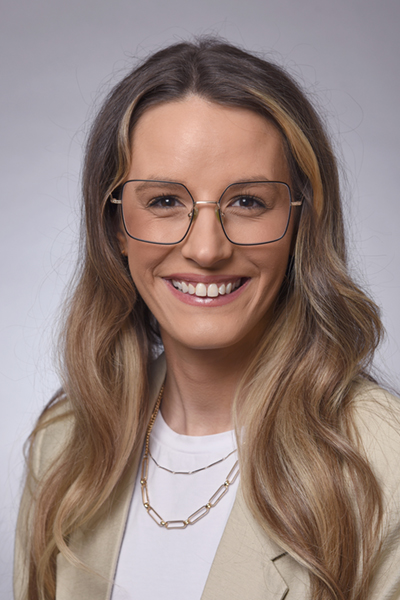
304, 478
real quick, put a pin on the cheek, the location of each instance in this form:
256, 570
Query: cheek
144, 261
272, 261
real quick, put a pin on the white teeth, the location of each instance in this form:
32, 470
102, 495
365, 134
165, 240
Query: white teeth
213, 290
201, 290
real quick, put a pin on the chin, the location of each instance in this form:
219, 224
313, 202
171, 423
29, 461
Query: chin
212, 339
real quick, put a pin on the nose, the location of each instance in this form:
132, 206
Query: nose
206, 243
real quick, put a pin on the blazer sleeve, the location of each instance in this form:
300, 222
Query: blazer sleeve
378, 423
47, 448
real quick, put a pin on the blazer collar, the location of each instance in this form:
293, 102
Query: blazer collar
243, 566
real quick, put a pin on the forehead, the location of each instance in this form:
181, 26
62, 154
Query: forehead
194, 138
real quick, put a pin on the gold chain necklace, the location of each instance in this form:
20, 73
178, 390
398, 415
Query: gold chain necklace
217, 462
203, 510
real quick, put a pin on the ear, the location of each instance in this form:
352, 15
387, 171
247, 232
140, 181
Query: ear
122, 243
122, 239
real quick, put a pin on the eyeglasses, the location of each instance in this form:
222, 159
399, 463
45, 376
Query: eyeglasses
162, 212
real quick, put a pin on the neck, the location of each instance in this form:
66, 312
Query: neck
200, 388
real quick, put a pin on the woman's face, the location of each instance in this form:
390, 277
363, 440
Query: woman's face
207, 146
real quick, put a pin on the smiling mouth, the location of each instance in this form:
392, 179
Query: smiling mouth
212, 290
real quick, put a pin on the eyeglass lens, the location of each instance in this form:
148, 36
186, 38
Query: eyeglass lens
161, 212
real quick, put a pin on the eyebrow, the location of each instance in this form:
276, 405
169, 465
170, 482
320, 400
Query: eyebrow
154, 182
254, 179
159, 180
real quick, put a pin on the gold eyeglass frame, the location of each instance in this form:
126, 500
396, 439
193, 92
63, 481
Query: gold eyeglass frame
194, 212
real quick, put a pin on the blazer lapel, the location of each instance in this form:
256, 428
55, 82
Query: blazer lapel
98, 543
243, 566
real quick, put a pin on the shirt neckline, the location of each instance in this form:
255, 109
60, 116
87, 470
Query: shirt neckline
163, 435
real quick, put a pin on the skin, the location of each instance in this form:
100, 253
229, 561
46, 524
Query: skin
206, 146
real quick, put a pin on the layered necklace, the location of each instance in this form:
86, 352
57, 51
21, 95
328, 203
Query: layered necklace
203, 510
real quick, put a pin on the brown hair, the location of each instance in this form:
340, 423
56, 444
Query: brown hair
303, 476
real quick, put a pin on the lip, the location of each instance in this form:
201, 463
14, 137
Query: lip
207, 279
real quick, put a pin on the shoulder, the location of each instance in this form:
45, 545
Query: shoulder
377, 418
57, 423
52, 434
377, 421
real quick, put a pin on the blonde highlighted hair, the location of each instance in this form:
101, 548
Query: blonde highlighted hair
303, 477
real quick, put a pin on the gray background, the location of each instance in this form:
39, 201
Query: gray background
58, 61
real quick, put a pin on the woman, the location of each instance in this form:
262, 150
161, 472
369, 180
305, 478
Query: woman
213, 223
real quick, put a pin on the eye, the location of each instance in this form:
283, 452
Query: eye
247, 202
165, 201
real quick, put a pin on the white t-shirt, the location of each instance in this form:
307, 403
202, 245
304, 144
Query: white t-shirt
160, 564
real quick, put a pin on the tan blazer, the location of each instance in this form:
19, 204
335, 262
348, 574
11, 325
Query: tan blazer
248, 565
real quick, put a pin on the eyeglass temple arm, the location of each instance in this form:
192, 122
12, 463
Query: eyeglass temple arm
114, 200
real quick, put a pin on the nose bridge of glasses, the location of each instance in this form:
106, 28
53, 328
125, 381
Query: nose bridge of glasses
203, 202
